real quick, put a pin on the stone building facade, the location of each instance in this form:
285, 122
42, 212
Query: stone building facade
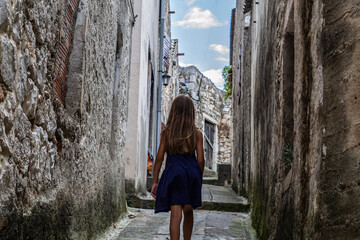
296, 116
64, 76
213, 117
170, 92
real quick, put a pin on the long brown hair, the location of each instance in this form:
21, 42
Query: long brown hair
180, 131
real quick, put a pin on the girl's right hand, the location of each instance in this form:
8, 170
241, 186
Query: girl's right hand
153, 190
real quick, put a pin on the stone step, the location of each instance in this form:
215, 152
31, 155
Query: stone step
213, 198
222, 198
210, 180
209, 173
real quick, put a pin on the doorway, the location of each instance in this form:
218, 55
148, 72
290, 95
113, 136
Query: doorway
209, 148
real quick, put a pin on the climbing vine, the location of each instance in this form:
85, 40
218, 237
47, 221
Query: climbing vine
227, 75
288, 155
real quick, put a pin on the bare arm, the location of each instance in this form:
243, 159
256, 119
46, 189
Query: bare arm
158, 162
200, 151
159, 159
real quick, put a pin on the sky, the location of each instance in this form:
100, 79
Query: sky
203, 30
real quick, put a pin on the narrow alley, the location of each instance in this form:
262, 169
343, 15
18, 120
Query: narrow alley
266, 121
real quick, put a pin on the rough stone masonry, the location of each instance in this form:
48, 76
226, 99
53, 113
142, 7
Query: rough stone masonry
61, 149
296, 147
210, 105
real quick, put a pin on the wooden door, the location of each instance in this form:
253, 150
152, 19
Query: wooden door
209, 144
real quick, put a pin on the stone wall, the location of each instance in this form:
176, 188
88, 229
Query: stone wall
210, 105
297, 90
241, 100
339, 165
170, 92
62, 165
225, 133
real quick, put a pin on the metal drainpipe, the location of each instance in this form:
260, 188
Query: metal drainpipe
161, 57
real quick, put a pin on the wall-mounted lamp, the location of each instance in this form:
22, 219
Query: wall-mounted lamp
166, 78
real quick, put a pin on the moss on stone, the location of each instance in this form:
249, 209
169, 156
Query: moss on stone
259, 216
45, 221
223, 206
242, 227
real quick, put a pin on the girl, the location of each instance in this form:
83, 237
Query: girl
179, 189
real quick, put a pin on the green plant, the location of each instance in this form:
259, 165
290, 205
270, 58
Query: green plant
288, 155
227, 75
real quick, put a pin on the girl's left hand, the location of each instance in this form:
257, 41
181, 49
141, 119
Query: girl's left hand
153, 190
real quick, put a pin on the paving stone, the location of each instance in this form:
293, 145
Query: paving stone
208, 225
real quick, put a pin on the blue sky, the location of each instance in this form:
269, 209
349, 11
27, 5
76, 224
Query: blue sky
203, 30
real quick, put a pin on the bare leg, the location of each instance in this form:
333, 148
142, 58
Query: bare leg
188, 221
175, 220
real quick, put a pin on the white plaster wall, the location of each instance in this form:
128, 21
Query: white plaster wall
145, 39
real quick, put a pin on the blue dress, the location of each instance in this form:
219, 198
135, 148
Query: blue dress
180, 183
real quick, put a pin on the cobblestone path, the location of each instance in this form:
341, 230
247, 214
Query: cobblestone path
208, 225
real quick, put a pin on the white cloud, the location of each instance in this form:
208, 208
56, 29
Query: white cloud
185, 64
215, 75
221, 59
219, 48
190, 2
200, 19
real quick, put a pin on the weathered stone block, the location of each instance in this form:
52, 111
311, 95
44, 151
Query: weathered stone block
24, 85
31, 99
42, 68
2, 95
10, 101
6, 115
22, 125
41, 160
4, 14
17, 29
30, 62
5, 147
8, 62
21, 154
45, 117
